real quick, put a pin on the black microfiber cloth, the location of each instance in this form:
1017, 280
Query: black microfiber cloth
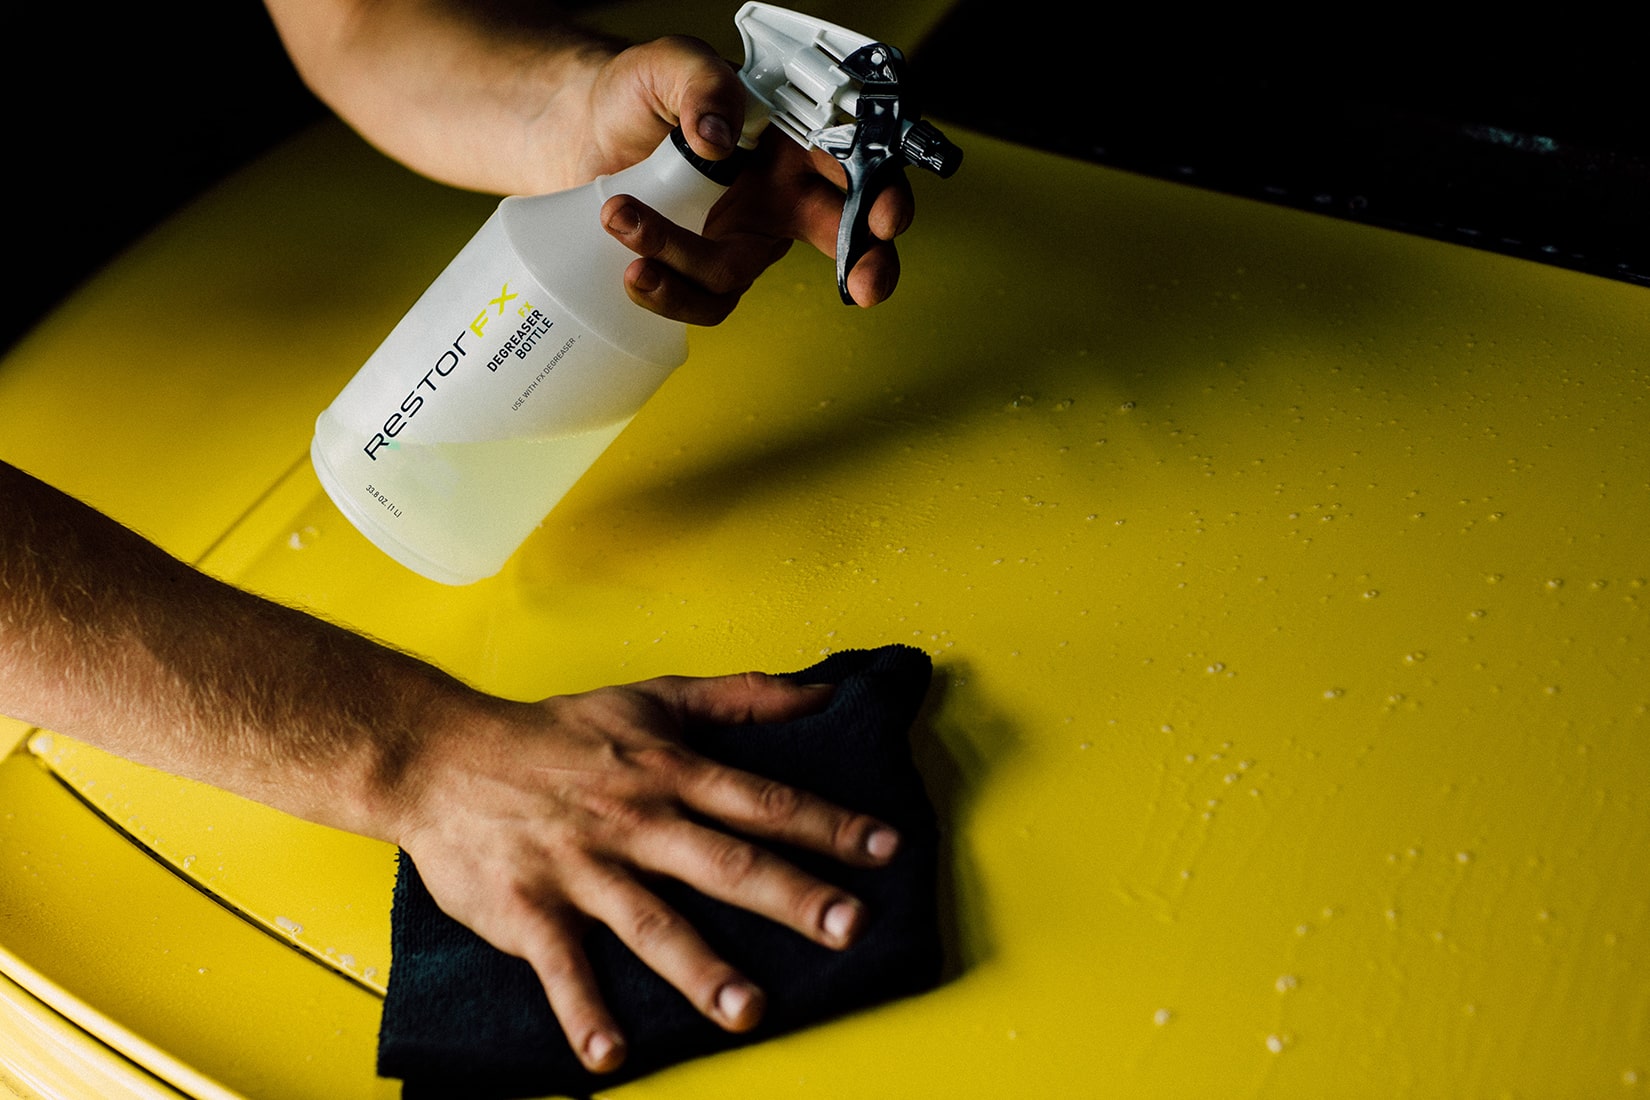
463, 1019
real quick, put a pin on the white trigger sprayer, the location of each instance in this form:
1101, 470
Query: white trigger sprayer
525, 358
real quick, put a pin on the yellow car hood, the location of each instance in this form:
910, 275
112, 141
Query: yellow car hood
1285, 578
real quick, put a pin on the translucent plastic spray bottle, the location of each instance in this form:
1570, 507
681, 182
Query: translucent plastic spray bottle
525, 358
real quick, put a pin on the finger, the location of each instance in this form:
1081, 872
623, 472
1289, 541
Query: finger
892, 210
570, 986
699, 89
756, 805
669, 946
740, 873
874, 276
722, 267
817, 215
766, 808
660, 290
738, 698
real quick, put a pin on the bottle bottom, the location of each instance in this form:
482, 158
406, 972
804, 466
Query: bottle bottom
454, 512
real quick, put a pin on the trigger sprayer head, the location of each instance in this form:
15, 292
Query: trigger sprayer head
831, 88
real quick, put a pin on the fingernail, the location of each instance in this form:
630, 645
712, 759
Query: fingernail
716, 130
734, 1000
882, 843
599, 1051
840, 921
625, 220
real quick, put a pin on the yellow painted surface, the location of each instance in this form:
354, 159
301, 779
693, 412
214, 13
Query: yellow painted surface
157, 971
44, 1056
1286, 580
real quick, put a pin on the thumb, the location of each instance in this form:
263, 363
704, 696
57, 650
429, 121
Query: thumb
701, 91
742, 697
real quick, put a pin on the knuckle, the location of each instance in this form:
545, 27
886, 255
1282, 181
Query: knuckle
736, 270
718, 281
777, 802
668, 763
652, 926
735, 860
619, 816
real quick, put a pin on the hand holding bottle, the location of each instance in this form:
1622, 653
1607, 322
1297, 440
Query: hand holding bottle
526, 103
785, 194
528, 354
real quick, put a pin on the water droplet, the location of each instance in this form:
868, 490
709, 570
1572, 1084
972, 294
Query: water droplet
1162, 1016
1286, 982
302, 537
1216, 667
1371, 593
289, 926
1555, 583
1463, 857
1277, 1043
1333, 693
1415, 658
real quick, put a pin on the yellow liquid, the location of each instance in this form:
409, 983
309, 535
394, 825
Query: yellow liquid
457, 511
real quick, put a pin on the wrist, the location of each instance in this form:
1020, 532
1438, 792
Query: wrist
435, 728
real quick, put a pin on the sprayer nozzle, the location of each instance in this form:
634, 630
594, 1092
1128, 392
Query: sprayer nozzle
834, 89
925, 147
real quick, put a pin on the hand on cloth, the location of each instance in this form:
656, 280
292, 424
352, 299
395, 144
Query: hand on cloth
463, 1014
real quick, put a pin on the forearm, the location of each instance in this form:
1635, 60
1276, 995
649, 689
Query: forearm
106, 638
526, 820
471, 94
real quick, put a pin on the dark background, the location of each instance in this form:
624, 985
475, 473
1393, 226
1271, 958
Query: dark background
1521, 135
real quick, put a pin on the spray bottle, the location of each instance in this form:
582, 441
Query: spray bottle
525, 358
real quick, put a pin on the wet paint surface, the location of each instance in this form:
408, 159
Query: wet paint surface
1286, 582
